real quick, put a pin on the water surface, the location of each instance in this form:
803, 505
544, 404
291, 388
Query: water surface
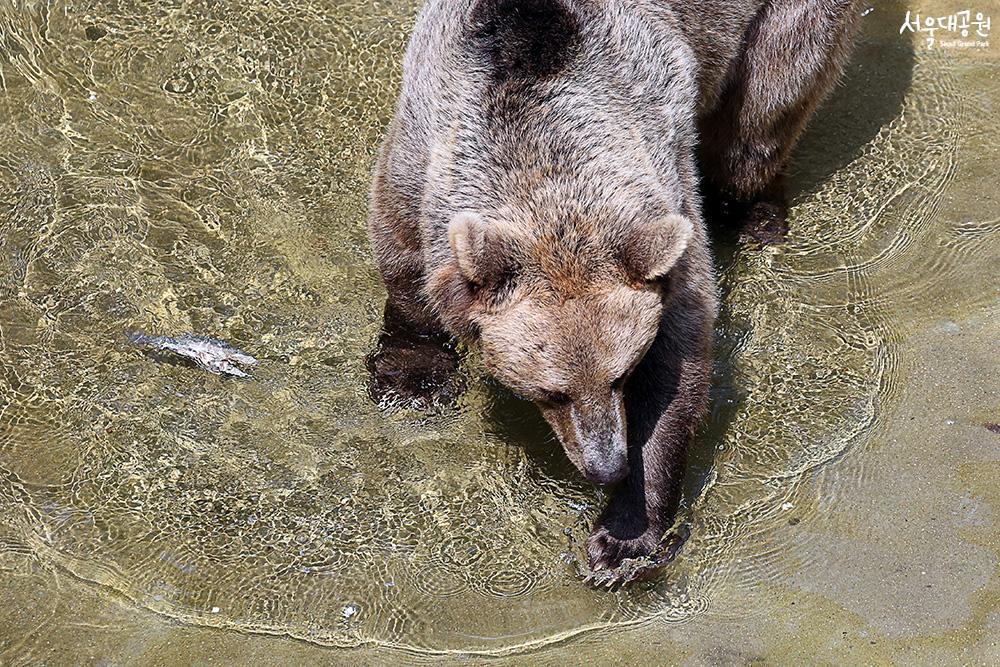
203, 167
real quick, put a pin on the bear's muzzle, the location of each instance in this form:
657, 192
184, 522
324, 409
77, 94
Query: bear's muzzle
599, 430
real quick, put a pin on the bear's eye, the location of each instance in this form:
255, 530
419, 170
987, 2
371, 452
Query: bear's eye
554, 398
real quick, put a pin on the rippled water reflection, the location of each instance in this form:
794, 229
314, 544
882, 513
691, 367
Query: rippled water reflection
172, 167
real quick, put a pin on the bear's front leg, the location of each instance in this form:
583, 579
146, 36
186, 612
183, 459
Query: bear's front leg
414, 360
665, 399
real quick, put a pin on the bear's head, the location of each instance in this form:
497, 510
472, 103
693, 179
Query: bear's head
564, 313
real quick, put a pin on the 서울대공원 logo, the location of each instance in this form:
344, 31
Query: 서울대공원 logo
961, 30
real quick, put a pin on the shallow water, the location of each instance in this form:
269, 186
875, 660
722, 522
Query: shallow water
203, 167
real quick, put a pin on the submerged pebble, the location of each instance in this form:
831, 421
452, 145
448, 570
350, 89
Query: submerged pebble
95, 32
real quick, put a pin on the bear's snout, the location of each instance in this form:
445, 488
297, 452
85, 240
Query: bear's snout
600, 436
605, 472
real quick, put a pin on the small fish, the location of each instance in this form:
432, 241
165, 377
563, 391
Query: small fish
213, 355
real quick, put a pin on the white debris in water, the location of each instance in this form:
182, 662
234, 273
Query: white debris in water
211, 354
787, 506
951, 327
350, 610
92, 96
949, 422
215, 610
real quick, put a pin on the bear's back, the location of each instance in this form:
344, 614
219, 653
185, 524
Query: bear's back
494, 90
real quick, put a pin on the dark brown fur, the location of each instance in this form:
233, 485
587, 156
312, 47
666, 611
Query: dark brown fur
527, 39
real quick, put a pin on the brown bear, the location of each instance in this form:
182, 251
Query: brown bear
539, 195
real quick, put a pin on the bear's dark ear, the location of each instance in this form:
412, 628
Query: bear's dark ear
652, 248
481, 251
